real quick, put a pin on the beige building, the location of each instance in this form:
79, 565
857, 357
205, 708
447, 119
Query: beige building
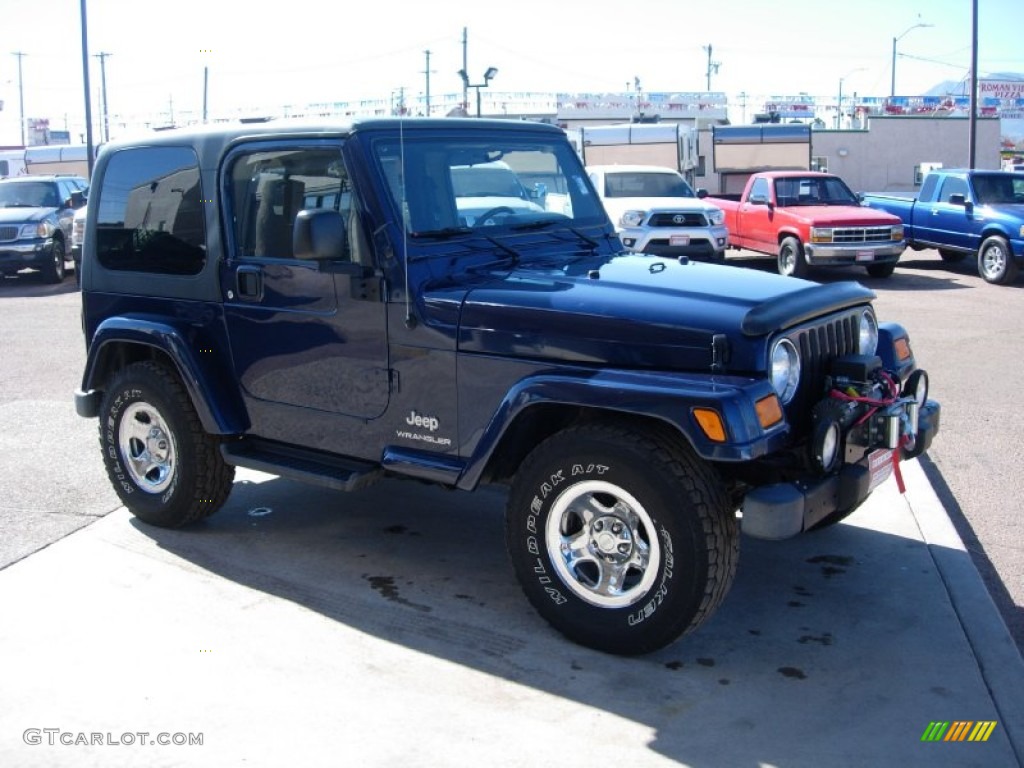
890, 155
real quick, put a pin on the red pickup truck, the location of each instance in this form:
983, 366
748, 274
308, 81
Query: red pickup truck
808, 219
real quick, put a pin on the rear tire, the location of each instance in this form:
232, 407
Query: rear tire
164, 467
791, 262
995, 261
622, 540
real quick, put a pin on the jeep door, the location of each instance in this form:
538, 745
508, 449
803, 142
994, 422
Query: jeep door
308, 341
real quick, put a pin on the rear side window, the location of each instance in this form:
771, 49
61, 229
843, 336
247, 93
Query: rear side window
150, 212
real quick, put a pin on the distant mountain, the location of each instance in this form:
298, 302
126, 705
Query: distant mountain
962, 87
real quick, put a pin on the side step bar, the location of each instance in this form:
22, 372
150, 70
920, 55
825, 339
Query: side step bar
301, 464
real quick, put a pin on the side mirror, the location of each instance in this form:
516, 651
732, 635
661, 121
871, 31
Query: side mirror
758, 200
318, 235
958, 200
76, 201
701, 192
539, 193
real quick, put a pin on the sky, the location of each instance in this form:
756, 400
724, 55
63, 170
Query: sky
259, 54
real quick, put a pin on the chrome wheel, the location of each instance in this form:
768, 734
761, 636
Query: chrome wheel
993, 262
602, 544
148, 447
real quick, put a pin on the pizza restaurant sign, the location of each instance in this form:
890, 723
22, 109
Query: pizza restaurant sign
1001, 89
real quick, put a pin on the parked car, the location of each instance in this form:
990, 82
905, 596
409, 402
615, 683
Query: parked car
966, 213
35, 223
656, 212
810, 219
77, 236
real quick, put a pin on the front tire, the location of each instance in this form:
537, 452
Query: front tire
54, 270
995, 261
622, 540
881, 270
791, 262
164, 467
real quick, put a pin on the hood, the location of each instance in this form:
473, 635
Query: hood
636, 311
843, 216
620, 205
26, 215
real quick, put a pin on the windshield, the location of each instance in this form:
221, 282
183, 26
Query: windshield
503, 182
813, 190
23, 194
993, 189
645, 184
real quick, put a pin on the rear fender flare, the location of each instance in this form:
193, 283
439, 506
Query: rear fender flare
219, 406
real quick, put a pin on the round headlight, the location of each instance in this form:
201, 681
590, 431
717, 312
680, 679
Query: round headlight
868, 334
785, 369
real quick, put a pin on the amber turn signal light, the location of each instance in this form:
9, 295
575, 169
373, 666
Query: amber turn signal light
710, 423
769, 412
903, 349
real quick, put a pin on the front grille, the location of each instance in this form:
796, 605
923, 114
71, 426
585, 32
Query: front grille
8, 233
678, 220
819, 344
862, 234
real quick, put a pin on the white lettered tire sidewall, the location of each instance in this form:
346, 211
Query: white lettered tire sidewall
670, 597
198, 480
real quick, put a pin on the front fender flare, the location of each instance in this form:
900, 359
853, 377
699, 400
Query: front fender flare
668, 398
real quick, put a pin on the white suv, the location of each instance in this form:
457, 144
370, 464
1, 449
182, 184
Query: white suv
656, 212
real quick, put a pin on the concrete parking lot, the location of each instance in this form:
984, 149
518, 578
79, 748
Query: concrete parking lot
304, 627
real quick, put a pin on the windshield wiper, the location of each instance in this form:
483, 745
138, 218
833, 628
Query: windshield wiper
440, 234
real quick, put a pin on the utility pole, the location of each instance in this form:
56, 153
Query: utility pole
103, 90
85, 78
206, 88
427, 72
465, 68
21, 96
973, 122
712, 65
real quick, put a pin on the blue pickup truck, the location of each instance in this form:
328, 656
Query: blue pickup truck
333, 304
964, 213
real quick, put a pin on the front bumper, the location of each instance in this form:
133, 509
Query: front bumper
707, 242
823, 254
18, 256
782, 510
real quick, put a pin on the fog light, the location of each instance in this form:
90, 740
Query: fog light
917, 387
825, 444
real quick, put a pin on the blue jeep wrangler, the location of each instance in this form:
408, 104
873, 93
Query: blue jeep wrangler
325, 304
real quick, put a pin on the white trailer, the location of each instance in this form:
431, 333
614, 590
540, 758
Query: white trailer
57, 158
669, 145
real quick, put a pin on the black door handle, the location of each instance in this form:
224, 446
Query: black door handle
249, 282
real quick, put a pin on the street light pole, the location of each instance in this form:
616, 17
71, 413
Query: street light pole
892, 86
839, 101
488, 76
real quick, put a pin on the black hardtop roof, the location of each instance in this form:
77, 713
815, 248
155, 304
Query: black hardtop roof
222, 134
